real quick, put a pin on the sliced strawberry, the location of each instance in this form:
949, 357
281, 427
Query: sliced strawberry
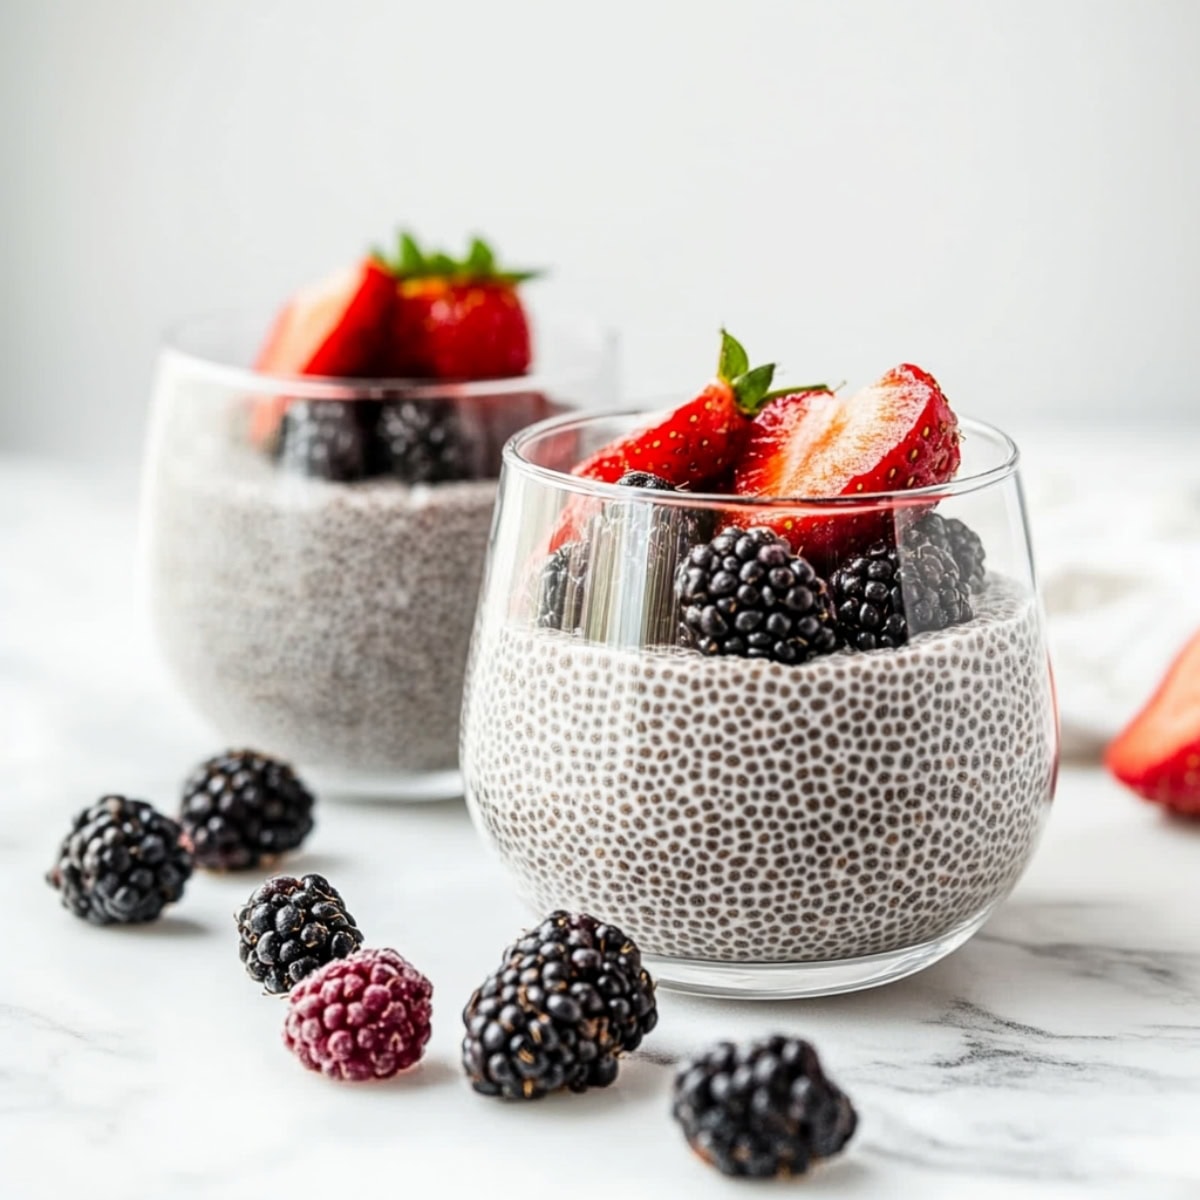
1158, 753
691, 446
781, 443
336, 327
898, 434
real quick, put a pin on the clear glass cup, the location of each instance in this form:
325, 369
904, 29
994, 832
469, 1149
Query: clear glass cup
323, 621
759, 828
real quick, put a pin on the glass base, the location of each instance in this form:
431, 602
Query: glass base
794, 981
384, 787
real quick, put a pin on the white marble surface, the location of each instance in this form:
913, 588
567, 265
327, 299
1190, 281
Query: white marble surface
1056, 1055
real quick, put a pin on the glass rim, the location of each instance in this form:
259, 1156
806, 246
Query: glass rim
514, 456
172, 347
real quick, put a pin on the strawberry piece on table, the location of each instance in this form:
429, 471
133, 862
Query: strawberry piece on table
456, 319
899, 433
333, 328
1158, 753
694, 444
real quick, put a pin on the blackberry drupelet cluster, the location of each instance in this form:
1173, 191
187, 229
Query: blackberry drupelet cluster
121, 864
869, 599
762, 1110
959, 540
745, 593
560, 587
561, 584
568, 998
644, 479
324, 439
420, 441
241, 808
359, 1018
413, 441
290, 927
886, 594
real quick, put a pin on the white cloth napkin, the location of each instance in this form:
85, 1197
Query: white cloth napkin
1119, 569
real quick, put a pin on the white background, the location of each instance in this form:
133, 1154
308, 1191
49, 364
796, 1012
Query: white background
1007, 193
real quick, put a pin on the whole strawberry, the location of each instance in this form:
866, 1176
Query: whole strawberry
455, 319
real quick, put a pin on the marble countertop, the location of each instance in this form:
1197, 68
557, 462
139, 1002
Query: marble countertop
1056, 1055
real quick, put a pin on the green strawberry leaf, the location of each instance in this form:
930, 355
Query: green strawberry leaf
410, 260
796, 390
751, 388
734, 360
442, 264
480, 262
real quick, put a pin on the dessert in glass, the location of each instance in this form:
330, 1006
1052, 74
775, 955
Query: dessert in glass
316, 507
762, 680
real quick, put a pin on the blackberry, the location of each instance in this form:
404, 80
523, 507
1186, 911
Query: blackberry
644, 479
121, 864
390, 1032
560, 587
420, 441
765, 1110
568, 998
290, 927
745, 593
886, 594
962, 543
326, 439
241, 808
869, 599
636, 542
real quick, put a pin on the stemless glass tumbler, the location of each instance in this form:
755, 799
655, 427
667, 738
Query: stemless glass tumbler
313, 595
760, 827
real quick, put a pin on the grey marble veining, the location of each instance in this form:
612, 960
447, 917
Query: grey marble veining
1057, 1054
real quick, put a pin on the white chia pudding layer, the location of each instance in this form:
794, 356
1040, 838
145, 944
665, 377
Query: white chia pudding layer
738, 810
328, 623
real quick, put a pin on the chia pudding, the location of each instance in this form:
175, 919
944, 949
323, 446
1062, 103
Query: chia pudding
318, 497
743, 810
321, 621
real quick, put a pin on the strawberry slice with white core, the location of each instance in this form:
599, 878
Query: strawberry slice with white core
900, 433
897, 434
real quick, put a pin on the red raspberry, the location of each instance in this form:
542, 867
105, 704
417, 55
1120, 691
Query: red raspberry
365, 1016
